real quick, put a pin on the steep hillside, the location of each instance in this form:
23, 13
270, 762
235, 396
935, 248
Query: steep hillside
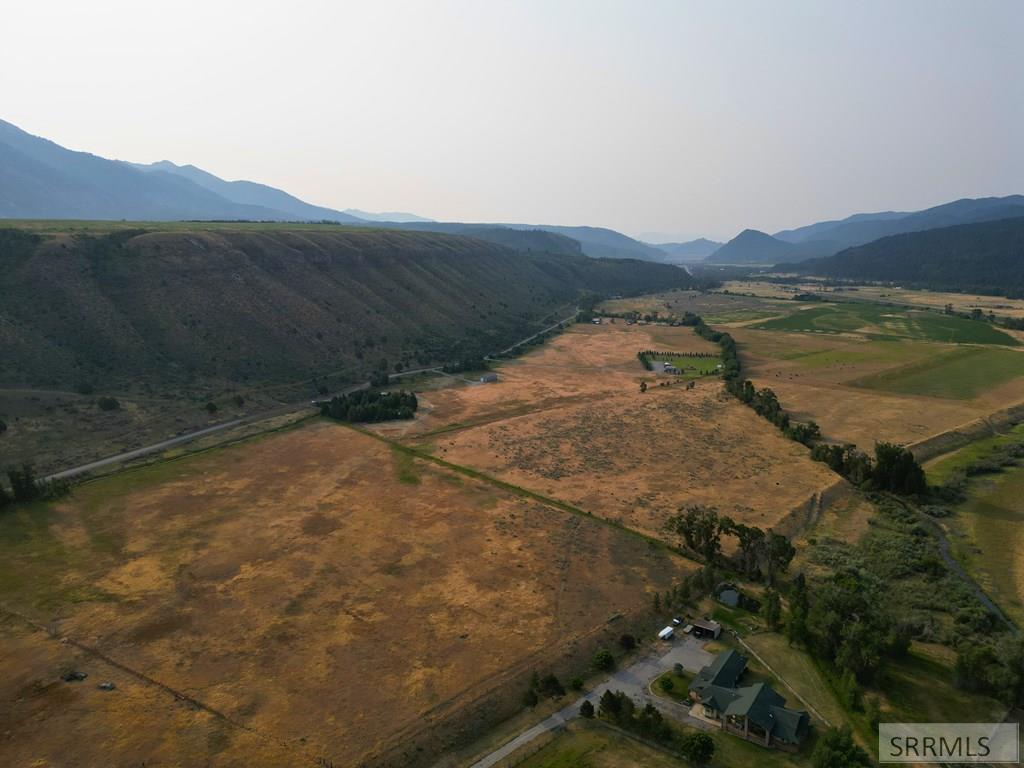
205, 307
602, 243
864, 227
987, 257
517, 239
596, 242
753, 247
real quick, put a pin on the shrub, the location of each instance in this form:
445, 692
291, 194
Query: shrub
211, 407
108, 403
549, 685
604, 660
628, 642
576, 683
586, 709
698, 748
666, 684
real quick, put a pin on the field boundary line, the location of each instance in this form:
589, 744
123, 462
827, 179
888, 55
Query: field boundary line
517, 490
147, 680
784, 682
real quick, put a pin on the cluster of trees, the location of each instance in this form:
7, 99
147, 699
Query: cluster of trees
654, 354
371, 406
700, 582
647, 722
994, 667
25, 486
847, 625
764, 401
547, 686
760, 554
837, 749
894, 468
477, 363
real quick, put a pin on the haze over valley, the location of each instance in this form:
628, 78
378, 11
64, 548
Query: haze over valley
478, 385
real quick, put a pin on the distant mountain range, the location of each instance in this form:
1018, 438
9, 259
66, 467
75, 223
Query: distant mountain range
42, 180
983, 257
830, 237
692, 250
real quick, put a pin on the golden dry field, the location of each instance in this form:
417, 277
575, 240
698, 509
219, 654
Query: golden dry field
323, 595
569, 421
864, 372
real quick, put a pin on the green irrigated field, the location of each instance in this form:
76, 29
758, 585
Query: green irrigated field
961, 373
882, 322
940, 469
992, 521
692, 367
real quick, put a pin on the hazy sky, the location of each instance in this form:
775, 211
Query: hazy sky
675, 117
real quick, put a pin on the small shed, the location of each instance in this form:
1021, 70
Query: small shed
489, 378
707, 628
666, 633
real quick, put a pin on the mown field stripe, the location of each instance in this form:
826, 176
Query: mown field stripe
516, 489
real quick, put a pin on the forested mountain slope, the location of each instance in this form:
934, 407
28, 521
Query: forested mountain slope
987, 257
251, 303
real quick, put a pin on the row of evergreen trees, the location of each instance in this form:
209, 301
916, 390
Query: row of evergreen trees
369, 406
25, 487
894, 468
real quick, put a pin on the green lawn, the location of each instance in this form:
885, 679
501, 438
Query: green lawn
886, 323
919, 689
960, 374
680, 686
939, 470
796, 668
692, 367
591, 745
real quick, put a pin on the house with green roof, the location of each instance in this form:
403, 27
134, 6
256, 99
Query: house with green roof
754, 712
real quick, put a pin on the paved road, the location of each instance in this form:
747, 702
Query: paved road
573, 316
288, 408
632, 680
190, 436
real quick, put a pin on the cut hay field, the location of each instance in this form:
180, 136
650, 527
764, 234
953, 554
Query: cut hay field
569, 421
309, 595
713, 307
878, 321
938, 300
961, 373
868, 383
